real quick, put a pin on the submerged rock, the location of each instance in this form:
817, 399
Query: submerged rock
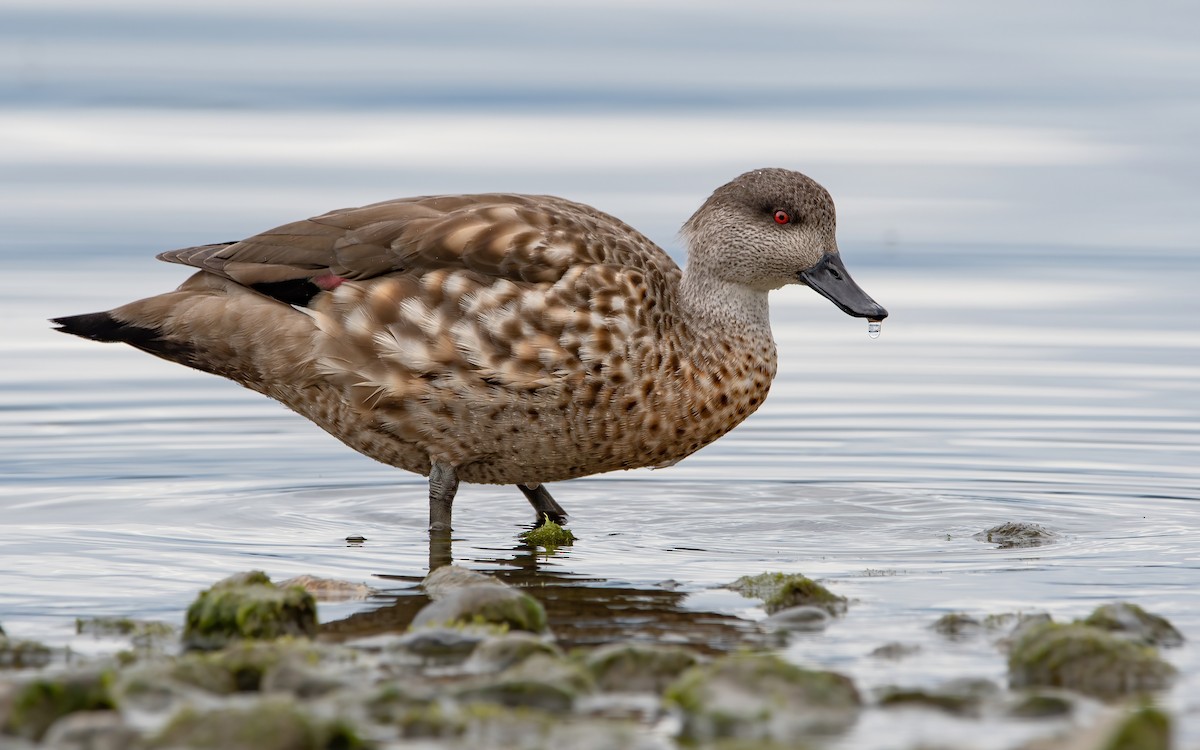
638, 667
802, 619
330, 589
780, 591
1017, 534
448, 578
1087, 659
248, 606
761, 697
37, 704
1133, 622
265, 725
957, 626
1039, 705
895, 650
957, 697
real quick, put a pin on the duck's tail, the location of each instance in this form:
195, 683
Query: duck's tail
211, 324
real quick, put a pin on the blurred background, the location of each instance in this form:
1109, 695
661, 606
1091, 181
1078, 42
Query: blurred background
1017, 182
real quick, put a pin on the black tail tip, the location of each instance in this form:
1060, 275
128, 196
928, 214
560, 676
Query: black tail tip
99, 326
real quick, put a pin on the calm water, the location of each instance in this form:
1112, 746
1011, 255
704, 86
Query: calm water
1024, 208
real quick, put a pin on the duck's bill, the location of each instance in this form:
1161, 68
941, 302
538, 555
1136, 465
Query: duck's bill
832, 281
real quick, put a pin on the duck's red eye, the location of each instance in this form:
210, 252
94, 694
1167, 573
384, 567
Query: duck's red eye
782, 217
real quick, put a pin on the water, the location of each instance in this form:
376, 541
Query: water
874, 328
1026, 214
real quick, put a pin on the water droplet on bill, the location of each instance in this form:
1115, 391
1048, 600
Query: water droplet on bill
874, 327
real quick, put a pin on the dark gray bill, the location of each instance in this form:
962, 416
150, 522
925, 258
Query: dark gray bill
832, 281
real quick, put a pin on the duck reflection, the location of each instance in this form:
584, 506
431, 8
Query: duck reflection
581, 610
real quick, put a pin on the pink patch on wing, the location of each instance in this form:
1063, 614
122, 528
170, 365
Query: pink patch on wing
328, 281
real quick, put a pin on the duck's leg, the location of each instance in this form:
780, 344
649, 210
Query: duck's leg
443, 483
542, 503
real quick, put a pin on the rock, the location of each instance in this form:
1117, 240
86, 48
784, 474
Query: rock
1087, 659
802, 619
330, 589
548, 535
22, 654
248, 606
437, 645
895, 650
441, 581
1147, 728
37, 704
761, 697
957, 697
1041, 706
244, 665
543, 682
500, 652
1017, 534
484, 604
638, 667
1133, 622
779, 591
91, 730
268, 724
957, 626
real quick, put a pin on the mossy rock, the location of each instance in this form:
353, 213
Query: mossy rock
244, 664
782, 590
514, 692
958, 697
266, 725
1038, 705
1135, 623
248, 606
1147, 728
548, 535
761, 697
1086, 659
23, 654
484, 604
39, 703
638, 667
957, 626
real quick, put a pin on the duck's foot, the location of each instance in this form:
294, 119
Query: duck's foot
443, 484
543, 504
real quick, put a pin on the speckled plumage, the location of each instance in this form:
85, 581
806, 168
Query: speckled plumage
518, 339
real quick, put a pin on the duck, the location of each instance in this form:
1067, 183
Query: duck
499, 338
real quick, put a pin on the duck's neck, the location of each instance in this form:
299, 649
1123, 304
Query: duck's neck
722, 306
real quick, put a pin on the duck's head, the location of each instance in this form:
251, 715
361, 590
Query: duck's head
772, 227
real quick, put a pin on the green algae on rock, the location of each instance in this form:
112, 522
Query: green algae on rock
268, 724
1086, 659
248, 606
761, 697
957, 697
463, 597
1133, 622
782, 590
637, 667
1037, 705
39, 703
1147, 728
548, 535
957, 626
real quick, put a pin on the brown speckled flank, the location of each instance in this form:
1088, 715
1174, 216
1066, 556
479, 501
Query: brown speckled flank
502, 339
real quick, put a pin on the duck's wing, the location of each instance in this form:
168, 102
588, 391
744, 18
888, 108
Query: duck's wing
466, 293
519, 238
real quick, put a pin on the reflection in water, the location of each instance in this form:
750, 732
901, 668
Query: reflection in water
581, 611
